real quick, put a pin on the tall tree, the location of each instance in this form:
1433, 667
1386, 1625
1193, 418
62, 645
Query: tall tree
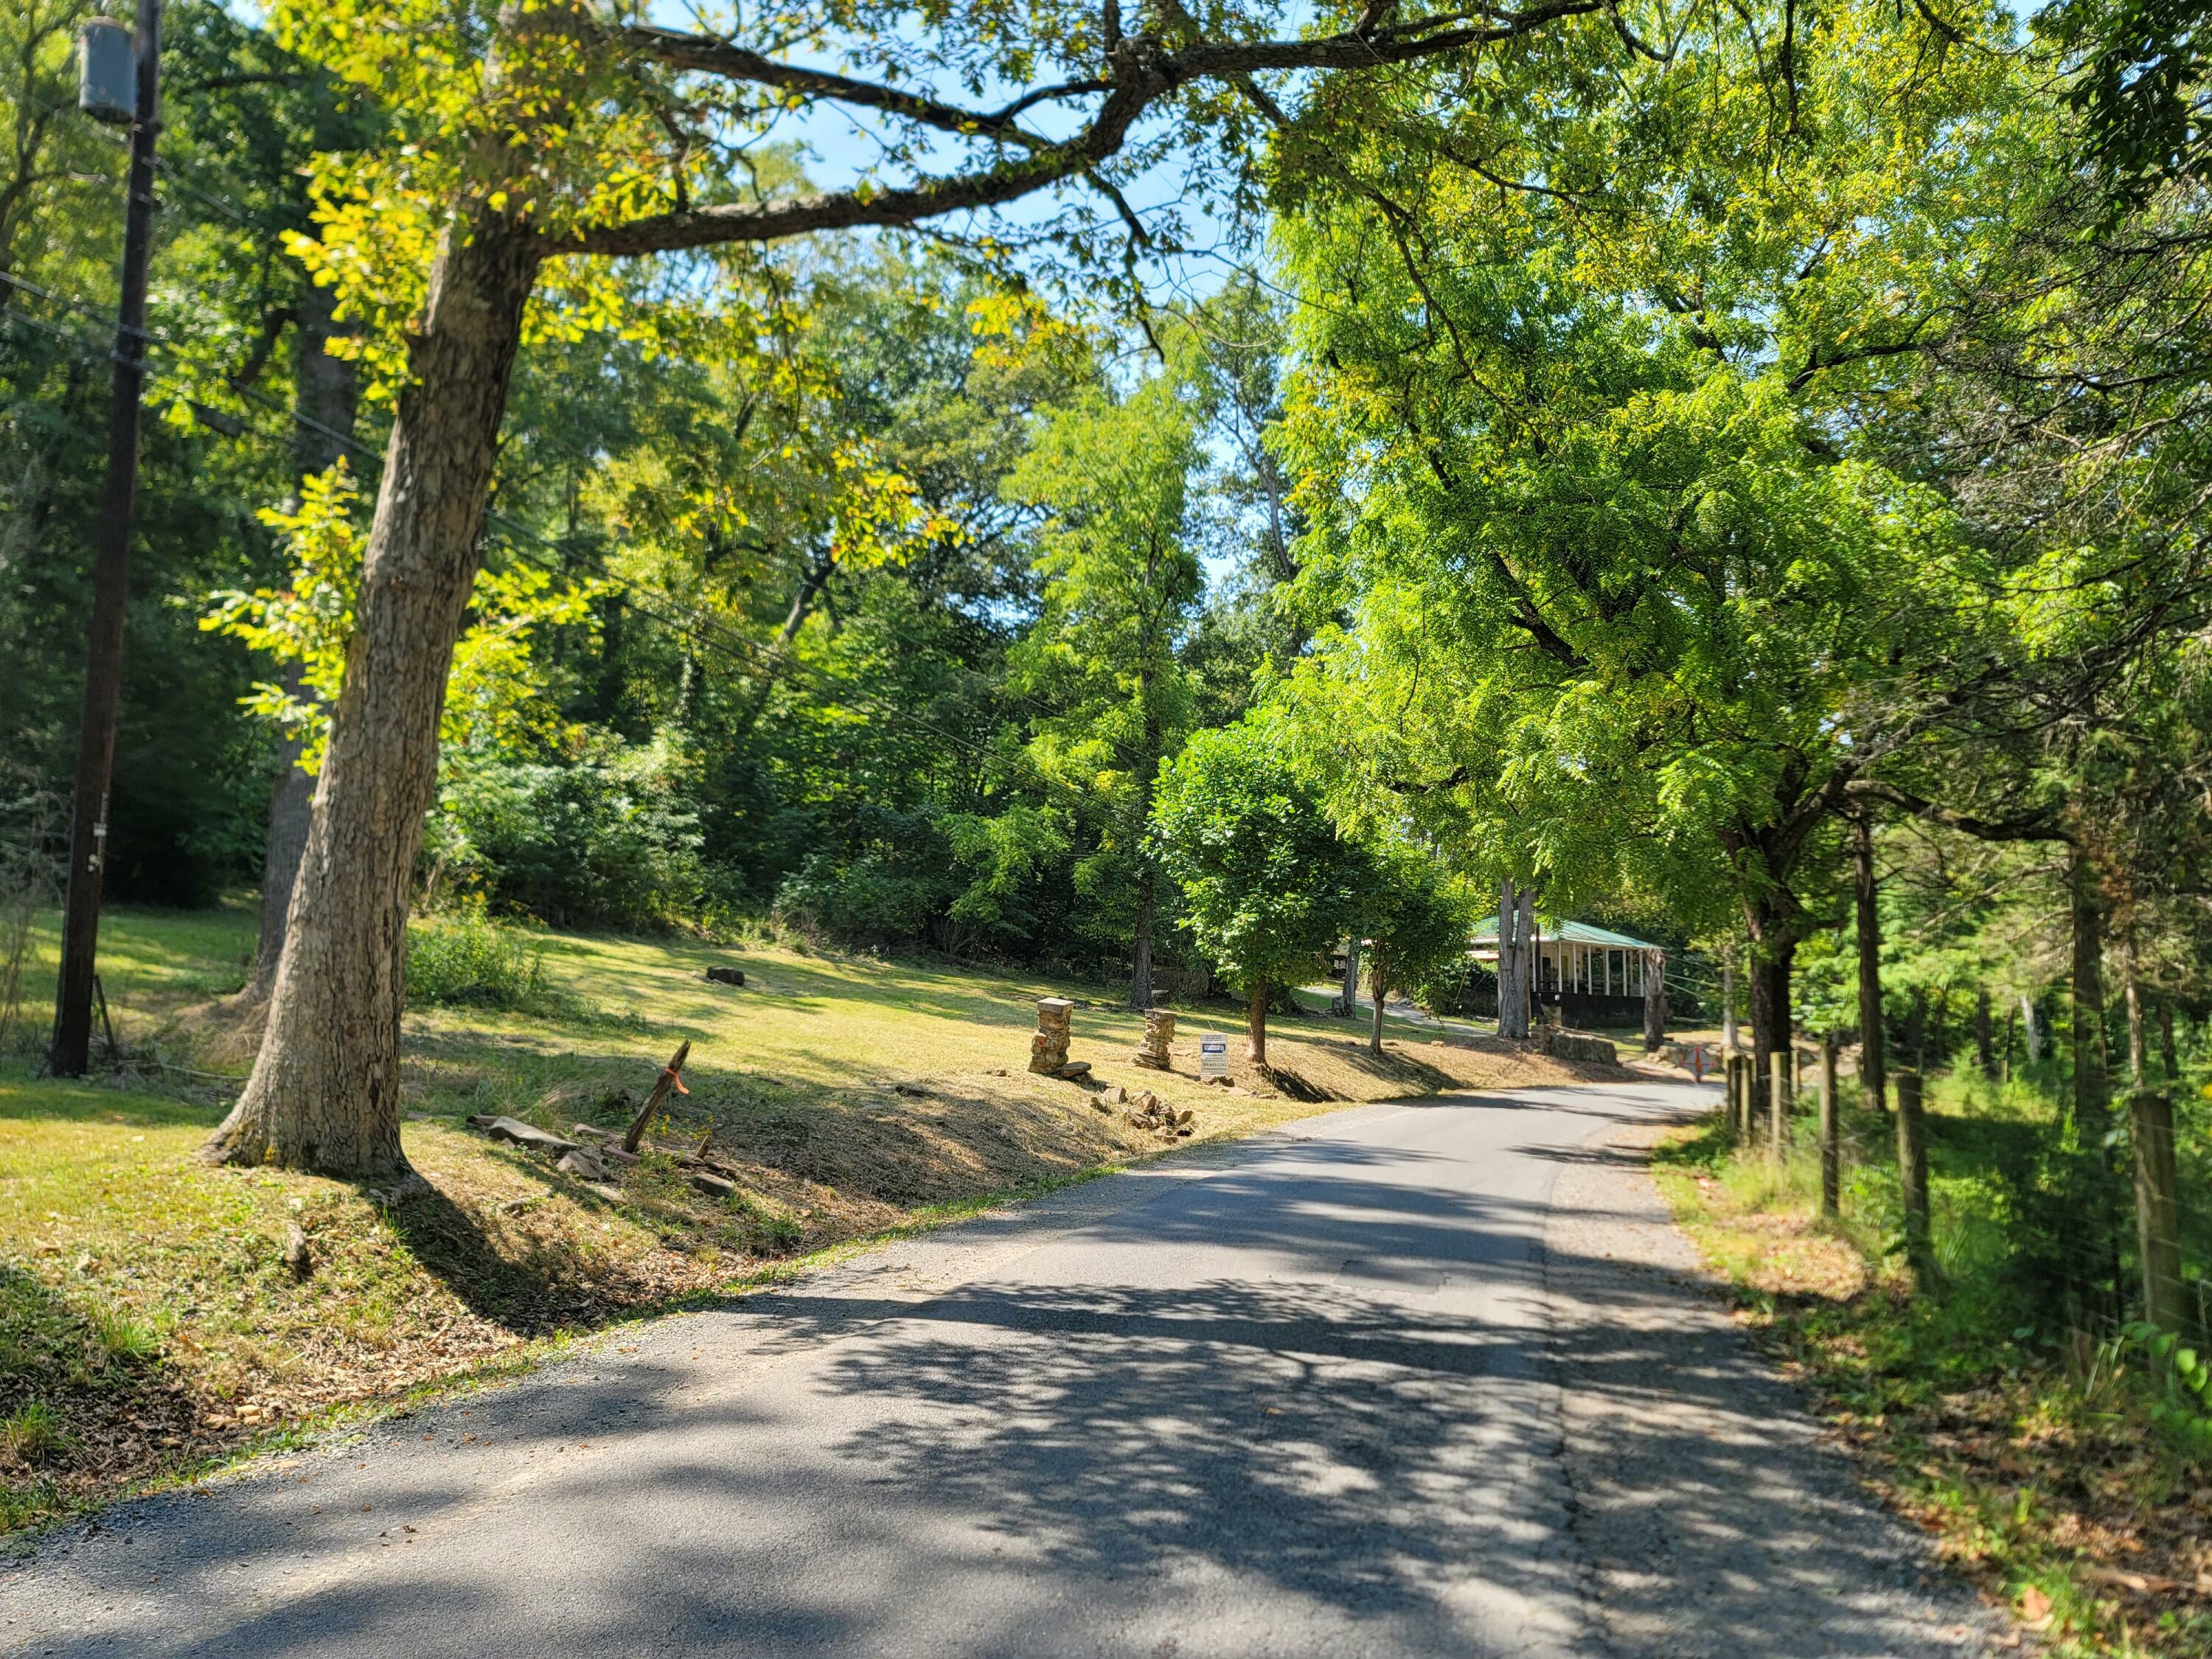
539, 139
1119, 577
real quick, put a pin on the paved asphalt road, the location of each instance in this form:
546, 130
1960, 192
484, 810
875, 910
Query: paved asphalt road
1411, 1379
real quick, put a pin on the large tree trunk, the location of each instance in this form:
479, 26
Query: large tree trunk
2091, 1087
1140, 970
1378, 987
1509, 962
1348, 992
1655, 1000
1772, 955
1873, 1058
1530, 961
327, 395
324, 1092
1255, 1024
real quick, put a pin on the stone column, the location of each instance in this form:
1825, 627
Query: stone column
1159, 1039
1049, 1048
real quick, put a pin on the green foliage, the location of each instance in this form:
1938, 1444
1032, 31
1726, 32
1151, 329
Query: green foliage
1268, 883
495, 692
606, 840
1416, 919
2184, 1414
467, 960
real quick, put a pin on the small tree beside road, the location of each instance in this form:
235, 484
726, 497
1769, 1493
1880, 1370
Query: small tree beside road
1267, 881
1420, 922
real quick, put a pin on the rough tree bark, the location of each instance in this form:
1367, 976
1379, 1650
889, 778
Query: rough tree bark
1509, 962
325, 1091
1831, 1140
327, 396
1255, 1024
2091, 1088
1773, 955
1378, 987
1531, 952
1655, 1000
1873, 1039
1727, 999
1913, 1180
1348, 993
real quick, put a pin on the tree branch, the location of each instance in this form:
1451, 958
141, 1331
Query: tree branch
1142, 76
2043, 823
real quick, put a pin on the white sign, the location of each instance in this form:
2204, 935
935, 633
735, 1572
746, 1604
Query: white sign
1212, 1055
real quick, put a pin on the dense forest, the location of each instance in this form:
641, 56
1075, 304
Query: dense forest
1739, 471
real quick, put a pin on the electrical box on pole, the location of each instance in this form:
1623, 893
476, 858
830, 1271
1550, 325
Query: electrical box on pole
97, 94
106, 72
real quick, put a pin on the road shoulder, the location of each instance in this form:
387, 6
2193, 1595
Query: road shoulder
1712, 1515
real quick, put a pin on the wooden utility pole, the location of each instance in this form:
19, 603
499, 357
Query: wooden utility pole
111, 577
1912, 1179
1831, 1144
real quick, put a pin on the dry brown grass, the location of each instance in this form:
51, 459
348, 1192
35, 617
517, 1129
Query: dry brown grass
147, 1314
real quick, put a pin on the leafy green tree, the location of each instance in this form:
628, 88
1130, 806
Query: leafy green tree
1268, 883
1119, 580
536, 143
1419, 920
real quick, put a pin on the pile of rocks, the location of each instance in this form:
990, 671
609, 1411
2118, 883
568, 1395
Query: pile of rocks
1146, 1110
1563, 1045
1159, 1041
1048, 1047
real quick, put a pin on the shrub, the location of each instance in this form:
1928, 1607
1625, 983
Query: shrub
605, 841
467, 960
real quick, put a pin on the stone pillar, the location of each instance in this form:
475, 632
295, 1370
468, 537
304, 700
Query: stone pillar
1159, 1039
1049, 1048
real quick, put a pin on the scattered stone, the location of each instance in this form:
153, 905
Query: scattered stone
1048, 1045
1073, 1069
1116, 1096
297, 1256
1159, 1039
725, 977
523, 1134
586, 1164
713, 1186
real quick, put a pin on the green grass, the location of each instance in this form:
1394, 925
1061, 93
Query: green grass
2035, 1462
150, 1327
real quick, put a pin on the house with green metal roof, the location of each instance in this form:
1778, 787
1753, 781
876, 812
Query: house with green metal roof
1591, 975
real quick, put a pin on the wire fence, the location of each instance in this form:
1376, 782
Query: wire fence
2036, 1213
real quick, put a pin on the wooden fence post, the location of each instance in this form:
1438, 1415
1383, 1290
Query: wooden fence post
1832, 1146
2158, 1205
1913, 1178
1778, 1102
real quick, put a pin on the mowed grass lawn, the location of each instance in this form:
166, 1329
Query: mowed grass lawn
150, 1325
